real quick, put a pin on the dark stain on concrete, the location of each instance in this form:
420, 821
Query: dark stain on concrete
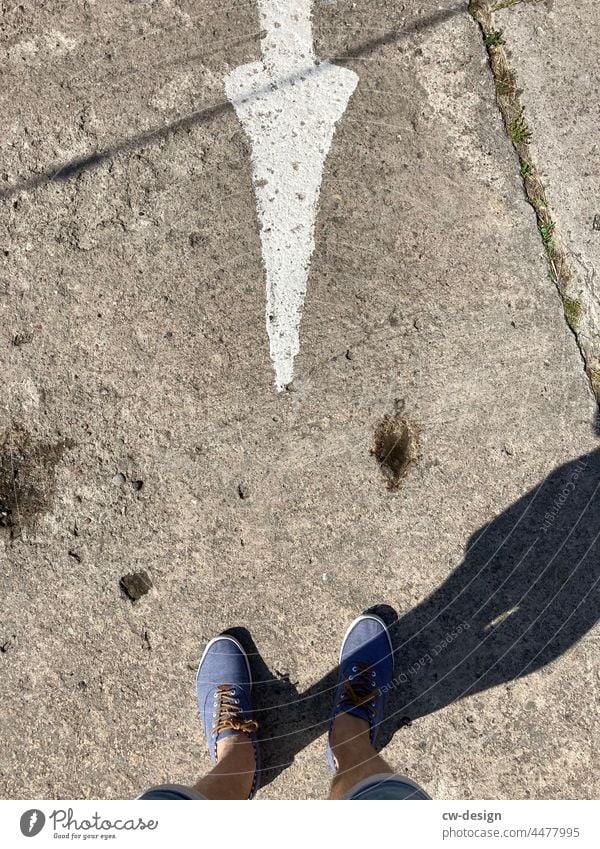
27, 478
396, 448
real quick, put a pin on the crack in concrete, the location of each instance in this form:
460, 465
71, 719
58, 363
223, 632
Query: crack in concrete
511, 108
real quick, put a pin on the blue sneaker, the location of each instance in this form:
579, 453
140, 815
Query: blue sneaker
223, 688
365, 676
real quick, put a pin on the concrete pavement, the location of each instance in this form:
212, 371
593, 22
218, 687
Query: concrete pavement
132, 304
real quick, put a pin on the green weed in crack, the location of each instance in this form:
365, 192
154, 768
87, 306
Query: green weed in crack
518, 129
511, 109
546, 229
572, 308
494, 38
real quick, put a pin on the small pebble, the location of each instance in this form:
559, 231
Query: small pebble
22, 339
8, 644
136, 584
137, 485
5, 517
197, 240
243, 490
596, 222
119, 479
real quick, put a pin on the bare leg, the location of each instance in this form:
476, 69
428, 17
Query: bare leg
233, 775
355, 756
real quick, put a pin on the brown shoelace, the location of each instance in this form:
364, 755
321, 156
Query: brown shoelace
359, 690
227, 713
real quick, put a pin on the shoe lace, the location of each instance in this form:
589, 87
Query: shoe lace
228, 712
360, 689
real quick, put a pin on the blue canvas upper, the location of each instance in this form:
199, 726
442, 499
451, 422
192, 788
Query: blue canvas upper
366, 671
223, 689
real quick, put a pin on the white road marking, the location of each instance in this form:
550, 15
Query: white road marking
288, 104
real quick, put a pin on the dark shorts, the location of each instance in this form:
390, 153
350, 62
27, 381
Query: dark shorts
377, 787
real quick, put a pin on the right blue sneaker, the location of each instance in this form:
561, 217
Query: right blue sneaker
366, 670
223, 689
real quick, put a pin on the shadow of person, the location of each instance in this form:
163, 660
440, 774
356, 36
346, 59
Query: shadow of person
526, 591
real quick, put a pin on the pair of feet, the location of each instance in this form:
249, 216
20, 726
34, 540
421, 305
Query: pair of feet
224, 685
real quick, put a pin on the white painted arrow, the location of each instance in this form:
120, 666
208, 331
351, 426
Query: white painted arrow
288, 104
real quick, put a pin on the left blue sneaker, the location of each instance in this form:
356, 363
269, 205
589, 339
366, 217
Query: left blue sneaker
223, 689
366, 671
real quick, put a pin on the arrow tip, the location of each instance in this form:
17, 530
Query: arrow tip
284, 372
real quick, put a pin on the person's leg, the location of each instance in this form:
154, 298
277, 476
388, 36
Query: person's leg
355, 757
231, 778
233, 774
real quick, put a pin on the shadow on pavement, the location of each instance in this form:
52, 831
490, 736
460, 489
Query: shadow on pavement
526, 591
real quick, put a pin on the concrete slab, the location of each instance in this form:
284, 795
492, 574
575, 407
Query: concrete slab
553, 48
136, 277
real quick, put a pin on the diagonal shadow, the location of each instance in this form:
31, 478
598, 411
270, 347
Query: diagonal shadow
526, 591
60, 172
